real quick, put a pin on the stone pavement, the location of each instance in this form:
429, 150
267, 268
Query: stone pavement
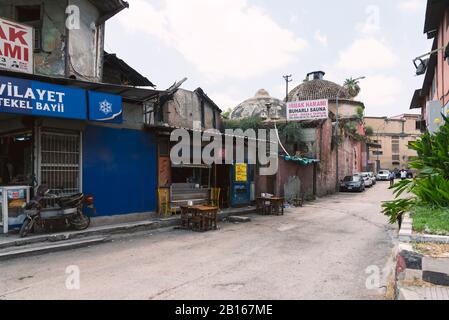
424, 293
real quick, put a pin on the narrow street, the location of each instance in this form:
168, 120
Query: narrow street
320, 251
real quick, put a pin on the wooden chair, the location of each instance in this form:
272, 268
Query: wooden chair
164, 202
299, 201
215, 197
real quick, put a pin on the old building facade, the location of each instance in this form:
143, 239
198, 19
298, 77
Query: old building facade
432, 98
94, 140
312, 165
393, 136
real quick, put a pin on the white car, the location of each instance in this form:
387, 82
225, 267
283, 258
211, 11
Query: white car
383, 175
366, 179
371, 176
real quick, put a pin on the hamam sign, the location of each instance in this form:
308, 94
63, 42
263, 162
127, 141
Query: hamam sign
16, 46
308, 110
27, 97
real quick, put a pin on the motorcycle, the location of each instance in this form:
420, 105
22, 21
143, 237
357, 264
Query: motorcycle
65, 210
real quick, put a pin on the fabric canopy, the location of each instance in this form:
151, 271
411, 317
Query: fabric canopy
301, 161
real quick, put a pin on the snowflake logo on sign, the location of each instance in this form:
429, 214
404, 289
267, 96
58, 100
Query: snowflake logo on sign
106, 107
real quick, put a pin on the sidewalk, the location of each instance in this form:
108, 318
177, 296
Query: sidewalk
12, 245
424, 293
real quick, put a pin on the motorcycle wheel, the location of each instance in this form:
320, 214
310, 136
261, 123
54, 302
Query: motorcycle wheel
82, 222
26, 228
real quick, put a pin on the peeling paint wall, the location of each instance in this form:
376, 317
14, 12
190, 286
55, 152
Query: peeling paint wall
51, 59
351, 159
185, 108
85, 46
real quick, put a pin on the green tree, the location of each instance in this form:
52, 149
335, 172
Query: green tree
353, 87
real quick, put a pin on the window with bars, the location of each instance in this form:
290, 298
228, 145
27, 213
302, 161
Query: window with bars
60, 161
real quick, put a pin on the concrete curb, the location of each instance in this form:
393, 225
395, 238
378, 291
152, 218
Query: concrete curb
406, 233
412, 266
124, 228
34, 250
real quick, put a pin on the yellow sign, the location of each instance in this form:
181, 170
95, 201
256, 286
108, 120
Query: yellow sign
241, 172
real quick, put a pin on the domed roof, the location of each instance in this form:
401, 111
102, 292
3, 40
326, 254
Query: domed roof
257, 107
318, 88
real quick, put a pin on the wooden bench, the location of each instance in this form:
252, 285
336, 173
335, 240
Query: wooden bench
182, 193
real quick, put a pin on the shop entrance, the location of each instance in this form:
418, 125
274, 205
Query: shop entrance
16, 158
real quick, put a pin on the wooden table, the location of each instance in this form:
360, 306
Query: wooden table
199, 218
271, 206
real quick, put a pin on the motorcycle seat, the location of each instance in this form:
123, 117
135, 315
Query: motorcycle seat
70, 201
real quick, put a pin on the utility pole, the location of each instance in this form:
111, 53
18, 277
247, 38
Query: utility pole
287, 79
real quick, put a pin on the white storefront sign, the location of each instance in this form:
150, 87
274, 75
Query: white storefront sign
308, 110
16, 46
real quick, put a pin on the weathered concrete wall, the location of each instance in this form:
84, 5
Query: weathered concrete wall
291, 179
326, 168
85, 46
289, 170
51, 60
351, 159
185, 108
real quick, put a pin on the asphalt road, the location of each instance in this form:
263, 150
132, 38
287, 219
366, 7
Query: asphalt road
321, 251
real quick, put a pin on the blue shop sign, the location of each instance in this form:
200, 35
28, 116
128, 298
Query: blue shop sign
105, 107
28, 97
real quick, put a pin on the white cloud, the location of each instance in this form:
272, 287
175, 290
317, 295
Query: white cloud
367, 54
222, 39
321, 38
294, 19
371, 25
225, 101
381, 94
412, 5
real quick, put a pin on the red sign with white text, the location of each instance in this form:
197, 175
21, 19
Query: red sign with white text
16, 46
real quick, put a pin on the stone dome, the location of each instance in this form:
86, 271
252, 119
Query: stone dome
257, 107
315, 88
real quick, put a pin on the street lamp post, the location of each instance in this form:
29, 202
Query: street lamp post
377, 137
337, 129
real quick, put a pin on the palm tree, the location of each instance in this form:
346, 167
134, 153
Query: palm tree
353, 87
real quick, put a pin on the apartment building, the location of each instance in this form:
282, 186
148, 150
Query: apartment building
392, 137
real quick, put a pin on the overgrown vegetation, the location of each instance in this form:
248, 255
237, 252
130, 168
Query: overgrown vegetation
244, 124
430, 188
290, 132
369, 131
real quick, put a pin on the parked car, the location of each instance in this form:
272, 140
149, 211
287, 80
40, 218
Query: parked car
352, 183
383, 175
371, 176
366, 179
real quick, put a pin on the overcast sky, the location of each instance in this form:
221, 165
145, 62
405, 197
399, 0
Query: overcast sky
232, 48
